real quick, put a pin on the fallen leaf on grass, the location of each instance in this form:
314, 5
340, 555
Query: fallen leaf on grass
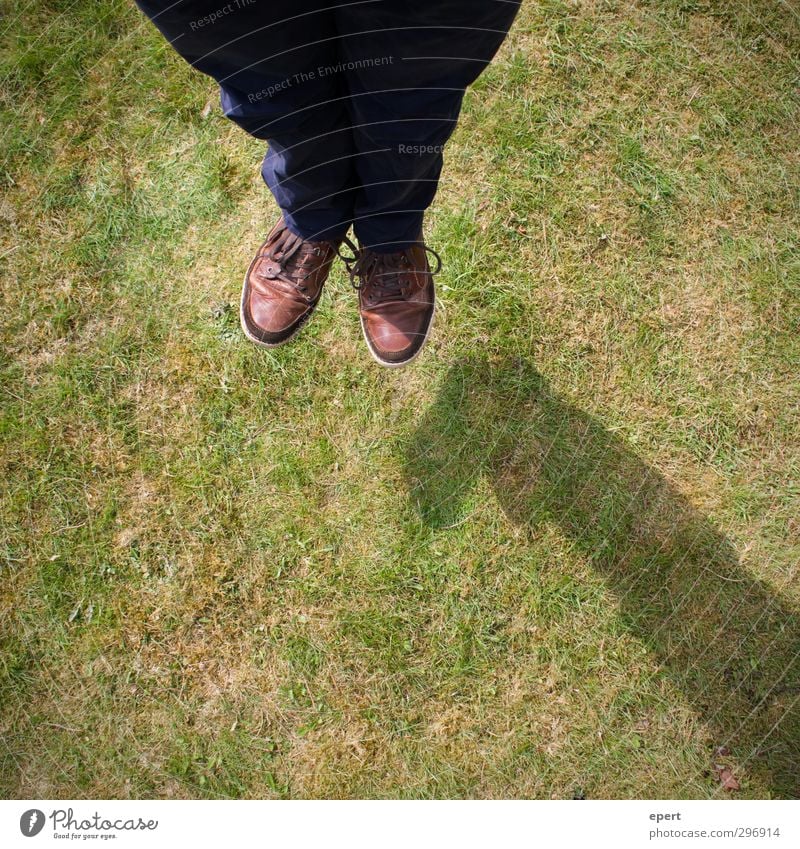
726, 778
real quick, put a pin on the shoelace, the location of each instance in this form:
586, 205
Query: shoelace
384, 274
290, 258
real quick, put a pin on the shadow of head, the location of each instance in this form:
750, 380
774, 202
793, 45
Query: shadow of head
726, 639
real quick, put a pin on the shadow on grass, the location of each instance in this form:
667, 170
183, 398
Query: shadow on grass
726, 640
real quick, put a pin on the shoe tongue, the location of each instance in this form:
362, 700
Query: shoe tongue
290, 249
393, 261
391, 266
287, 242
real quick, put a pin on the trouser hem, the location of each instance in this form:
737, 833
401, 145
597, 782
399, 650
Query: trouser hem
315, 231
391, 234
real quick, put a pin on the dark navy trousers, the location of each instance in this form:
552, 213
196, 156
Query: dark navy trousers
356, 99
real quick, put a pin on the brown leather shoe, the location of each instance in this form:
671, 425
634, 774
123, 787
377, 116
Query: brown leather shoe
283, 285
396, 300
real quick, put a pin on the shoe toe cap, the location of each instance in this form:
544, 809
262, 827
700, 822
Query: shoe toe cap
397, 333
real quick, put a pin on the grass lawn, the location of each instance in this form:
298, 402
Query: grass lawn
556, 557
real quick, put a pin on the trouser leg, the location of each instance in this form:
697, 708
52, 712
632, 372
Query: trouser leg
411, 62
265, 54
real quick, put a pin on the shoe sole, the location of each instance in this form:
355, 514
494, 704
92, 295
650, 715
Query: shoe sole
402, 363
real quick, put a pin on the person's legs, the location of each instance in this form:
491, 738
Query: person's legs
357, 100
265, 54
407, 64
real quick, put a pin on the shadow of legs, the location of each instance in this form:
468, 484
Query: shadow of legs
726, 640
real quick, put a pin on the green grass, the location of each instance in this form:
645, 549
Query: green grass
556, 558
